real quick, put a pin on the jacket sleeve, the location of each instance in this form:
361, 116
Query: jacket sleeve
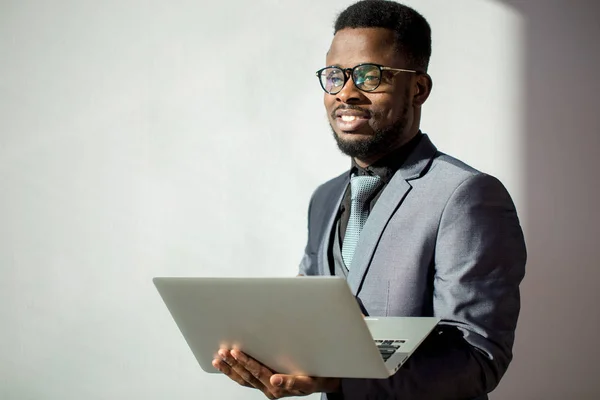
478, 264
308, 264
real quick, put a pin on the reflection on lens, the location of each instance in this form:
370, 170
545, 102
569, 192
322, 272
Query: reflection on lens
367, 77
332, 79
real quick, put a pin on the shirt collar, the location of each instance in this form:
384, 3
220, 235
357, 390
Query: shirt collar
387, 166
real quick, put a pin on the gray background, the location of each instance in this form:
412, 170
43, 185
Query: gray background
145, 138
555, 354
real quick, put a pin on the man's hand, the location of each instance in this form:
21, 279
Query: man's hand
248, 372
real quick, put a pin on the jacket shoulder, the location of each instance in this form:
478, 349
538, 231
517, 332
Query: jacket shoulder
332, 188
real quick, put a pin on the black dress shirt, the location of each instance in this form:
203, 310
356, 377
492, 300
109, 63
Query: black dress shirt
385, 168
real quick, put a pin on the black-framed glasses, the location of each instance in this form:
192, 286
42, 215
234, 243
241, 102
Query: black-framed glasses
366, 77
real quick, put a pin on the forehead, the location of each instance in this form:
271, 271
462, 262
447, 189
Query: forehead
352, 46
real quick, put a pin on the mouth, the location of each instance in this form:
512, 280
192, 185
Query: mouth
350, 118
351, 123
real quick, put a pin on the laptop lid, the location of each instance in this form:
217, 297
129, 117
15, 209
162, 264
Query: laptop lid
300, 325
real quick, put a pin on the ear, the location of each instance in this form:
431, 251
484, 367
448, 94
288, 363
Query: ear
421, 88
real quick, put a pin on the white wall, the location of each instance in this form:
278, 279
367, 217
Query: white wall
150, 138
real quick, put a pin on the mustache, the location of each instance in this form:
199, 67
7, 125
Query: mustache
350, 107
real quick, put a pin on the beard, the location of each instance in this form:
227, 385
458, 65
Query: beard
381, 142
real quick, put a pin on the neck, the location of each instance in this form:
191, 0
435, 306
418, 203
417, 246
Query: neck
367, 161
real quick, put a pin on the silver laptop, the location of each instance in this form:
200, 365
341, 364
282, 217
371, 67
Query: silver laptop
303, 325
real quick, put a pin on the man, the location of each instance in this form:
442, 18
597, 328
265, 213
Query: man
440, 239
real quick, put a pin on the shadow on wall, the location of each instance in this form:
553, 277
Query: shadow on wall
556, 350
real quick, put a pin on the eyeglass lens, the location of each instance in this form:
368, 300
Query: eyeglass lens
366, 77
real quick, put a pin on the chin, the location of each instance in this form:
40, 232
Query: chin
353, 136
356, 146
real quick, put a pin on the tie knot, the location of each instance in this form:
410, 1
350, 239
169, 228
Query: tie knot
362, 187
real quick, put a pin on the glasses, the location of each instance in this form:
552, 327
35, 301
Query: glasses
366, 77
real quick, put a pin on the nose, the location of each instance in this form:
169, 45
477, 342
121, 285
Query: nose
349, 93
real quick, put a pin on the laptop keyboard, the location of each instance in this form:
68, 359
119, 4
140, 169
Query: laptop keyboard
388, 347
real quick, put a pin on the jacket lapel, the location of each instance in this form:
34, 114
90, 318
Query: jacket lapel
392, 196
326, 240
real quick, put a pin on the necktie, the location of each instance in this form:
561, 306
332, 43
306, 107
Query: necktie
361, 189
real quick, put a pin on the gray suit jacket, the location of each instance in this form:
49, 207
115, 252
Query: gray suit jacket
443, 240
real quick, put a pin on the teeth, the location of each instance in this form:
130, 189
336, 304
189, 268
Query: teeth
348, 118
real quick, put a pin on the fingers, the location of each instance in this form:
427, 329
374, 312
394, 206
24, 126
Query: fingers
256, 369
236, 368
244, 370
223, 367
293, 385
303, 385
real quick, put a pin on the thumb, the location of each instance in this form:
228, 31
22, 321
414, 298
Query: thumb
304, 384
294, 383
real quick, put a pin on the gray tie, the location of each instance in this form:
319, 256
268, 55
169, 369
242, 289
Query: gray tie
361, 188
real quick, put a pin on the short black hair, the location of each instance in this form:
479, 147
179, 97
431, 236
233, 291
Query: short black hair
411, 30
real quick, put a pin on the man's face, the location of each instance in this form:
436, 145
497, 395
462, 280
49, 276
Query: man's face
367, 125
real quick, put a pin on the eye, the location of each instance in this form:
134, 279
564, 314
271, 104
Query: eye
369, 82
335, 80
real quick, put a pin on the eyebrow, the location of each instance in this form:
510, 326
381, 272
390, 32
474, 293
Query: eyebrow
360, 63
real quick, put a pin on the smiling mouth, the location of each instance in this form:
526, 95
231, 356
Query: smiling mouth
351, 123
349, 118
